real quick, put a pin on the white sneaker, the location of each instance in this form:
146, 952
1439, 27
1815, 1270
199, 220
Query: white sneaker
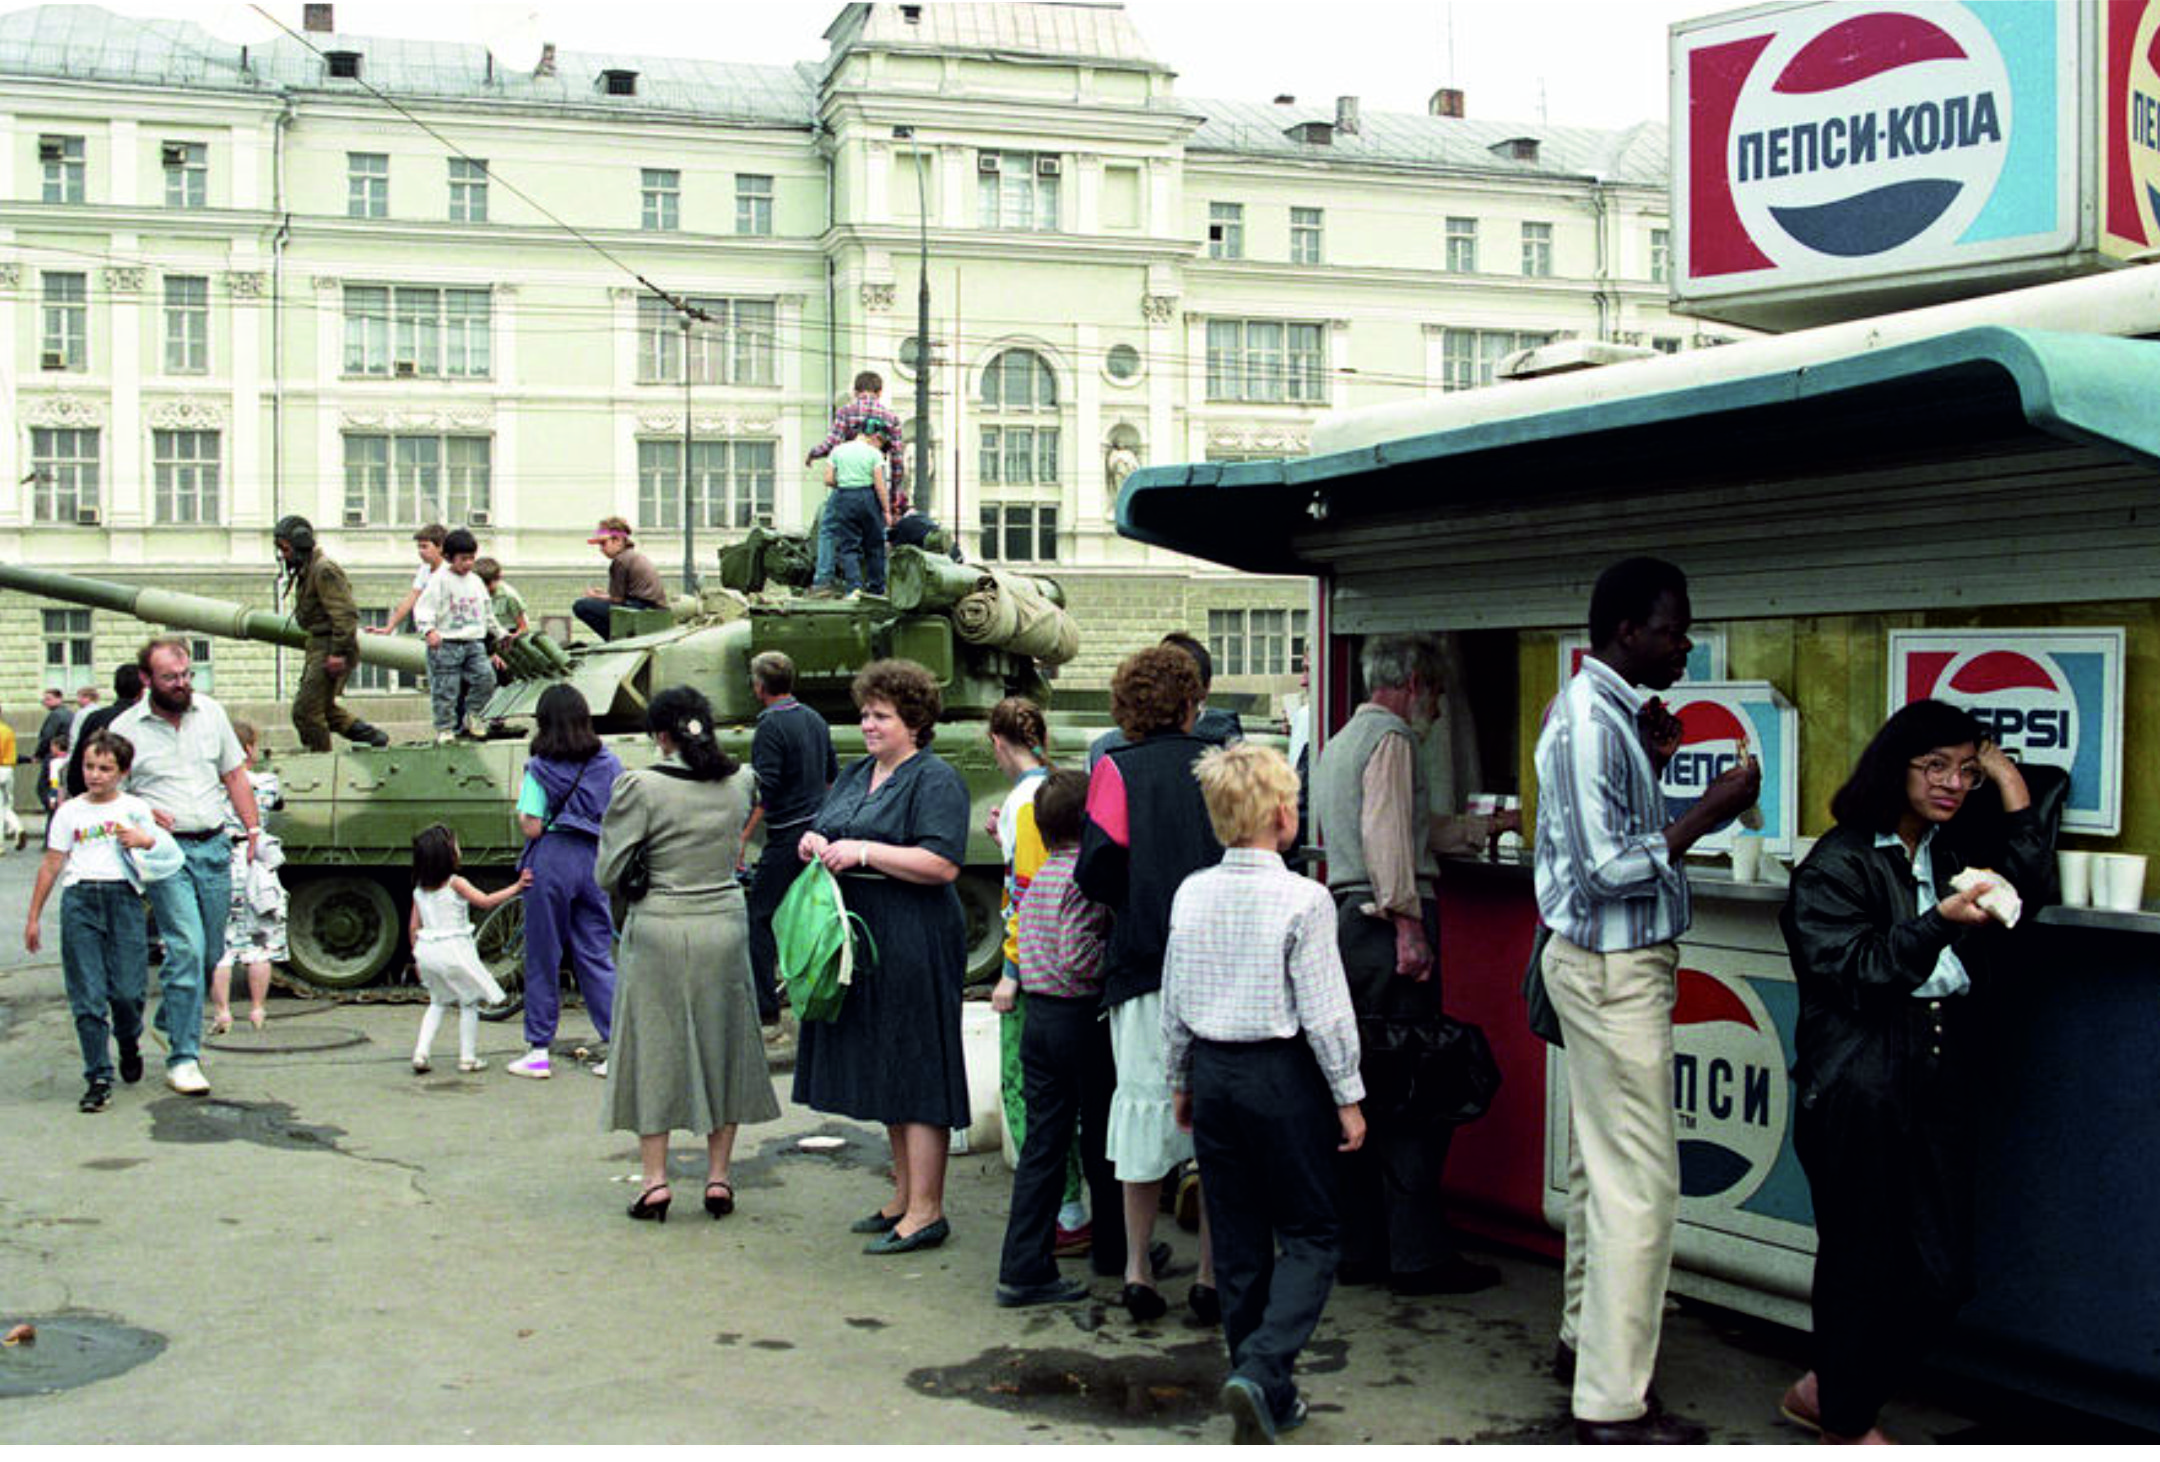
472, 1063
599, 1068
421, 1065
476, 728
445, 738
187, 1079
533, 1063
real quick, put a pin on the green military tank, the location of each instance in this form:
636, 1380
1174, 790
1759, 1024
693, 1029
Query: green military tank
349, 815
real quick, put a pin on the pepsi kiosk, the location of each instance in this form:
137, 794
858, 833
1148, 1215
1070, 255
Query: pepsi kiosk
1958, 501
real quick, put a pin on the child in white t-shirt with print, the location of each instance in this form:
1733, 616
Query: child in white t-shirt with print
92, 847
454, 613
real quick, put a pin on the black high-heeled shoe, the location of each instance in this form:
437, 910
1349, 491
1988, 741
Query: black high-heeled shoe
645, 1209
722, 1204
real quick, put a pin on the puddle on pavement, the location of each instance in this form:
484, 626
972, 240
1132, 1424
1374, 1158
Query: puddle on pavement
71, 1350
862, 1149
1176, 1386
209, 1119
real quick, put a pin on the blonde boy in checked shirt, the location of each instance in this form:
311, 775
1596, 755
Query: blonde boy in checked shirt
1262, 1047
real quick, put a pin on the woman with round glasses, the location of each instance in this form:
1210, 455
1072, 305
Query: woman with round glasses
1883, 949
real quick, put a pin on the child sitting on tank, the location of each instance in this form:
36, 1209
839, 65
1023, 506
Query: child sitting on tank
255, 917
454, 614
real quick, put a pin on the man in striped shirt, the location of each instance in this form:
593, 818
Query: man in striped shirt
1612, 888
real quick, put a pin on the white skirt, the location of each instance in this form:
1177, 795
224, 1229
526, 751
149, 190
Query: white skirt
1142, 1139
451, 969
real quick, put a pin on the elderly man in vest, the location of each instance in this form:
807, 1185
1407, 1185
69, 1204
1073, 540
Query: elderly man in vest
1371, 805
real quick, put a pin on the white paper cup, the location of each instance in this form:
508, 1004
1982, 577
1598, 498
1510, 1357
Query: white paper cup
1746, 859
2076, 871
2119, 882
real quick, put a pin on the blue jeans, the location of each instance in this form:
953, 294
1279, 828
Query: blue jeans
460, 680
105, 960
191, 908
852, 532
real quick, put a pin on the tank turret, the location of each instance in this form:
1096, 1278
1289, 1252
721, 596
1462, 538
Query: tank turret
349, 815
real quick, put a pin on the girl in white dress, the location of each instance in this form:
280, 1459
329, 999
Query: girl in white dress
442, 942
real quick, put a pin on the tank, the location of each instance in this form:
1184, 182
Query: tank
349, 815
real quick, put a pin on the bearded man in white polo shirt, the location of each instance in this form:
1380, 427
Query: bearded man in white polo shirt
188, 765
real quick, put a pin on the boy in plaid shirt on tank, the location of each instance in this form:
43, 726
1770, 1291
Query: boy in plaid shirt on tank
1065, 1067
1262, 1046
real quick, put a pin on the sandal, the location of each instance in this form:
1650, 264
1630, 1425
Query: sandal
645, 1208
722, 1204
220, 1024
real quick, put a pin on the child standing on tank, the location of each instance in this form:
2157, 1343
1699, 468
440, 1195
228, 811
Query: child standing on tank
443, 948
454, 613
255, 918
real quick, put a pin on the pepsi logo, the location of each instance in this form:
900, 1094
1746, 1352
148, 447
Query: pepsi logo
1730, 1089
2142, 101
1713, 737
2024, 701
1883, 129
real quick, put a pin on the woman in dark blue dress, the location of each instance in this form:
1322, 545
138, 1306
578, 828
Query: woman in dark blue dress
894, 827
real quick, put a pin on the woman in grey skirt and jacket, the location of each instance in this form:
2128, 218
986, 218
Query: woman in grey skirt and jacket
687, 1053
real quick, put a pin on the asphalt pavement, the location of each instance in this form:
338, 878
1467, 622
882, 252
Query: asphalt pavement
331, 1249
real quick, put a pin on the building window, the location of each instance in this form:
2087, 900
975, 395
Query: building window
662, 207
1257, 641
1019, 380
1123, 364
1226, 230
1462, 246
1537, 250
732, 483
1266, 360
1016, 385
734, 348
202, 667
187, 174
1469, 357
185, 465
1661, 255
367, 185
1019, 532
1018, 456
753, 204
1018, 190
65, 173
405, 330
187, 325
404, 481
1305, 235
65, 343
69, 663
468, 190
380, 677
64, 474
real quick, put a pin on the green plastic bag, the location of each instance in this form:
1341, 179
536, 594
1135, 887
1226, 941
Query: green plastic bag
814, 937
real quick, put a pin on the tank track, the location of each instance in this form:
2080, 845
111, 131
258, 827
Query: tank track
397, 992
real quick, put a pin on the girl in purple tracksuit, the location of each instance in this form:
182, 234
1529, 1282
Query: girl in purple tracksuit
568, 779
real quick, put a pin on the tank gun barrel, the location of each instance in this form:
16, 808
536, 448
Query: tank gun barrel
218, 617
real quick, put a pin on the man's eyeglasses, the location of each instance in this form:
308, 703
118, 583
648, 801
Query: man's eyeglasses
1941, 772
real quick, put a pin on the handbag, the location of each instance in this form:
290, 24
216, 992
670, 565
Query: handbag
1427, 1072
1544, 1020
814, 943
635, 880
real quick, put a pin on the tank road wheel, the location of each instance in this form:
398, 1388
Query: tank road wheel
342, 930
981, 893
501, 942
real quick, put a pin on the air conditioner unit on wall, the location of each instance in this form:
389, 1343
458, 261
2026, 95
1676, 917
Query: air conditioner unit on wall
405, 368
1047, 167
88, 517
52, 360
477, 518
174, 153
49, 149
986, 162
355, 518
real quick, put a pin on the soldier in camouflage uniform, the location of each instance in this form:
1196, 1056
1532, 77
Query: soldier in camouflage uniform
323, 606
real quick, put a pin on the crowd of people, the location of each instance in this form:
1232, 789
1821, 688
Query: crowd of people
1179, 1005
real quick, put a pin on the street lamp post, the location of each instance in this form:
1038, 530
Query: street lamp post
689, 526
922, 327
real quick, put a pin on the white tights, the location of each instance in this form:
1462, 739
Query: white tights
468, 1028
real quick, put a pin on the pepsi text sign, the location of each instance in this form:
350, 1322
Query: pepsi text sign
2049, 696
1847, 142
1720, 721
2130, 128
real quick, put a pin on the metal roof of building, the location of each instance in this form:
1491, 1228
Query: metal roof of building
1989, 389
1632, 155
1078, 30
85, 42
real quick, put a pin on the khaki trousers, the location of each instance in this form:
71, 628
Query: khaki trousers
1623, 1166
315, 711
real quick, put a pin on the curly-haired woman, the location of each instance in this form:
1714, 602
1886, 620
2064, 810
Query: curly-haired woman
895, 829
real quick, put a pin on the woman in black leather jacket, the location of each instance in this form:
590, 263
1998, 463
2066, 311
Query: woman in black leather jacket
1883, 950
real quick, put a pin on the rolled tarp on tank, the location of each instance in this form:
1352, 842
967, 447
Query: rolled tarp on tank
924, 583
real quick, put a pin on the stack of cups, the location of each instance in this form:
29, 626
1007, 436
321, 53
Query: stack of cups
1746, 858
2118, 882
2075, 872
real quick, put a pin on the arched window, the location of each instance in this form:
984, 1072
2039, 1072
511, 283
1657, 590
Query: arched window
1019, 407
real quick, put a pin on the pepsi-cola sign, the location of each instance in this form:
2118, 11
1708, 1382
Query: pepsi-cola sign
2131, 108
2050, 696
1730, 1089
1720, 721
1842, 141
